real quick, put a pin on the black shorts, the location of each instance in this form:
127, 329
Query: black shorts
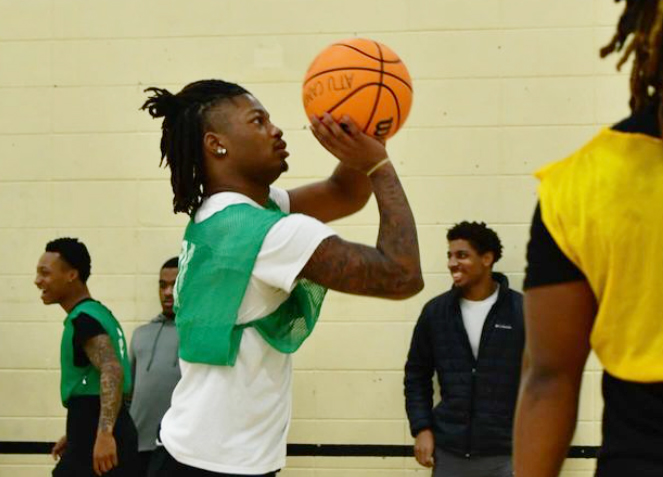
632, 429
82, 423
164, 465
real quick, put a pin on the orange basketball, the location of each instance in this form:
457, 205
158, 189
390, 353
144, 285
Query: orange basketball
361, 78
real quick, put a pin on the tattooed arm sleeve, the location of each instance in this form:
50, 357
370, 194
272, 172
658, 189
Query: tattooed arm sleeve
102, 356
391, 269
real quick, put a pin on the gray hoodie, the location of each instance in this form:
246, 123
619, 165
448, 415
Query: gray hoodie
156, 371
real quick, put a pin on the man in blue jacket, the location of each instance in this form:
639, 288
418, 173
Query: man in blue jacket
471, 336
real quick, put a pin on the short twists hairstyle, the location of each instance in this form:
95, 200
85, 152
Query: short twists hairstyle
479, 236
73, 252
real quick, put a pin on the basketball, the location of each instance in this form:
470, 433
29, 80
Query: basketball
361, 78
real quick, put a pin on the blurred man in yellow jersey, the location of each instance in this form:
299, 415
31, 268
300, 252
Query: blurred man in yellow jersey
595, 280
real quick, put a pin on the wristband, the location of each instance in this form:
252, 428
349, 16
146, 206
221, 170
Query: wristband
377, 166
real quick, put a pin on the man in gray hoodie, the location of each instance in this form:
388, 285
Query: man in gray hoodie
155, 366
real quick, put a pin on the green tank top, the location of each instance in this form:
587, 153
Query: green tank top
84, 381
215, 267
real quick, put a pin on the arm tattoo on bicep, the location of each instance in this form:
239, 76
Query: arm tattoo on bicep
391, 268
353, 268
99, 350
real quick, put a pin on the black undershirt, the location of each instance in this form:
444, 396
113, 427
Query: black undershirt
546, 263
85, 328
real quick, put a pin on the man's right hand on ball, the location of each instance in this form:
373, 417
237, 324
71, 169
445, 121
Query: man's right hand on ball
344, 140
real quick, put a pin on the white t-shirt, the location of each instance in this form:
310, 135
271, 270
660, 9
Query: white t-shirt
235, 419
474, 316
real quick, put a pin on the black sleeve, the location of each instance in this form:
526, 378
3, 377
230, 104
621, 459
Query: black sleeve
419, 371
85, 327
643, 122
546, 263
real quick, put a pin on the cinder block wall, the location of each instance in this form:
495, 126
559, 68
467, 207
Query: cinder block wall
501, 87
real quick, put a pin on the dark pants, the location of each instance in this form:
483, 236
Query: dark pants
82, 421
144, 459
164, 465
450, 465
632, 429
67, 467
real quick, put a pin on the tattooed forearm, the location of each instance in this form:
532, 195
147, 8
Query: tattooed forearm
397, 237
102, 356
392, 268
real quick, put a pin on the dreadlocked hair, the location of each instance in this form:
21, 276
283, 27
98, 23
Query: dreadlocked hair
184, 124
643, 20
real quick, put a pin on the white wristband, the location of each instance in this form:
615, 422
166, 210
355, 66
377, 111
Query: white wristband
377, 166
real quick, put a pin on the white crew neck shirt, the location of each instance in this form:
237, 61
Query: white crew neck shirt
235, 419
474, 317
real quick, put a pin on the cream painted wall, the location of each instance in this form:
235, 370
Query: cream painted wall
501, 87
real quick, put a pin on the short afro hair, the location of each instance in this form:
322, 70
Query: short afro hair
479, 236
171, 263
74, 253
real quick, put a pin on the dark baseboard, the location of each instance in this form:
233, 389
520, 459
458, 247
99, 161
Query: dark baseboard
300, 450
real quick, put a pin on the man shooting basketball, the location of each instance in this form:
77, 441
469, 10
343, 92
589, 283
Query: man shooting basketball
255, 264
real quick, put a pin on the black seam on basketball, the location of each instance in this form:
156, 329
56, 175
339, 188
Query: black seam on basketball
377, 96
398, 105
330, 110
358, 68
366, 54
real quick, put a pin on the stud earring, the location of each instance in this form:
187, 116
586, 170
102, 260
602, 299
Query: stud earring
221, 151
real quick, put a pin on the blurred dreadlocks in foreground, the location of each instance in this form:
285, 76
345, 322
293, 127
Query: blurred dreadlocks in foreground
642, 20
594, 278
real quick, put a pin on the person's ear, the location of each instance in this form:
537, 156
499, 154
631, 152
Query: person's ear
214, 144
72, 274
488, 259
